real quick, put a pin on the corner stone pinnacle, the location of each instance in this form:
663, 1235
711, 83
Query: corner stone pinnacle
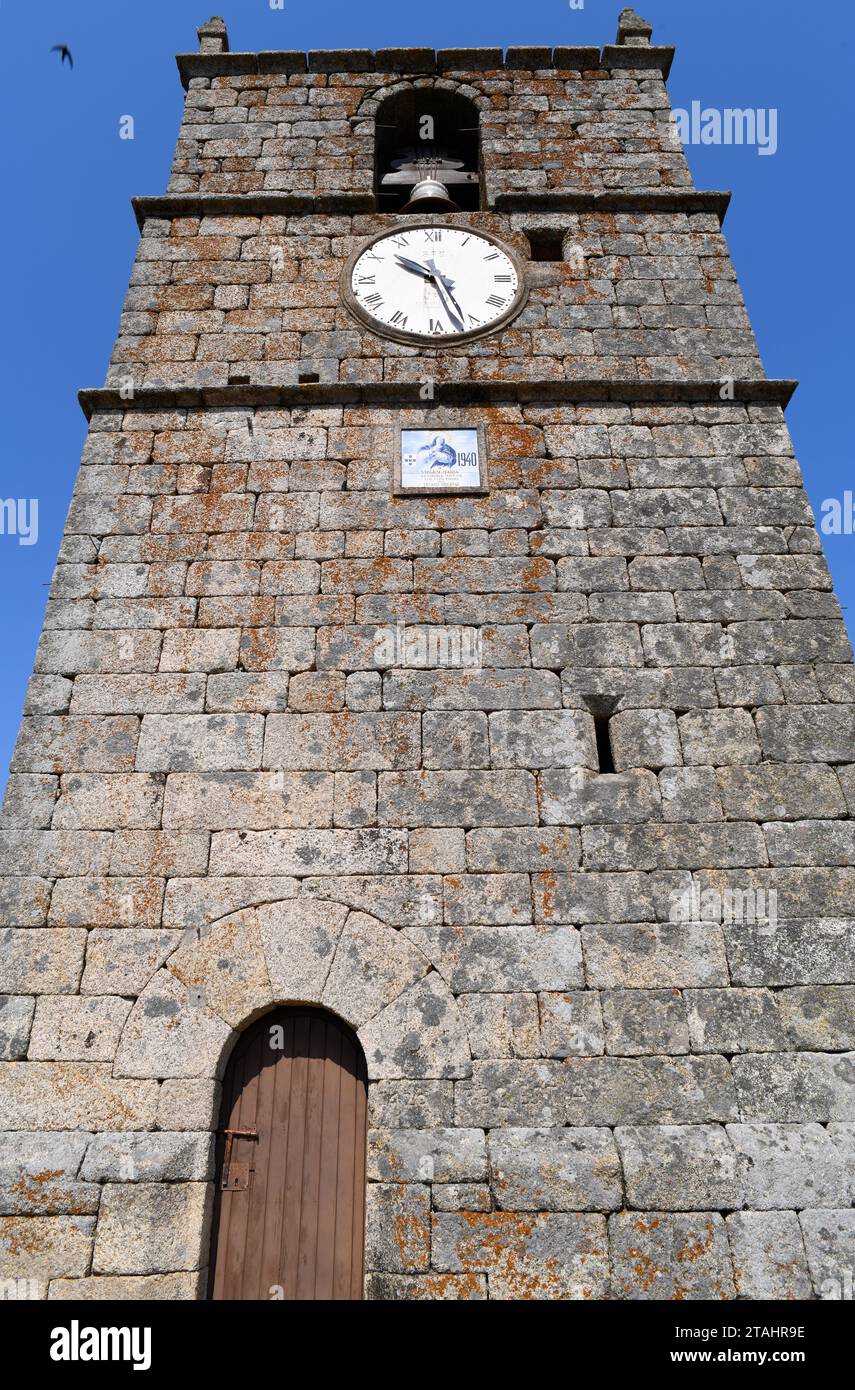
213, 36
633, 31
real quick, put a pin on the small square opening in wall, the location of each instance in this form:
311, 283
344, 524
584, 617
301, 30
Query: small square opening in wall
308, 378
236, 380
547, 244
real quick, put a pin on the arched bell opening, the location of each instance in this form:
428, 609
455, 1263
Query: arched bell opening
426, 137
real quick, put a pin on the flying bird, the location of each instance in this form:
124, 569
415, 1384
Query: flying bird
65, 52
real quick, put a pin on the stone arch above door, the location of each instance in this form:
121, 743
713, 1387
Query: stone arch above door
298, 950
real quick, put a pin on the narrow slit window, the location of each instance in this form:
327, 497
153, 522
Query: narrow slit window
604, 743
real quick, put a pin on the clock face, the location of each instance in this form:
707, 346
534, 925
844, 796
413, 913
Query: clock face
434, 283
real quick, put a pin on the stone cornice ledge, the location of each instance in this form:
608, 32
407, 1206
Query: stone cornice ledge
761, 391
170, 205
422, 61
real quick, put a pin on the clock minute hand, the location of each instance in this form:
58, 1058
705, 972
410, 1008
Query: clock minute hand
448, 286
445, 296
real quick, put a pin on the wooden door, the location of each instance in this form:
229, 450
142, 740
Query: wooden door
290, 1192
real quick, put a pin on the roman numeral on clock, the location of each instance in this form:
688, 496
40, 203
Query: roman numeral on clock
502, 279
366, 280
398, 319
435, 235
436, 326
374, 300
496, 301
493, 256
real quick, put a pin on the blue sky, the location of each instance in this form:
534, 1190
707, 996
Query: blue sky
70, 234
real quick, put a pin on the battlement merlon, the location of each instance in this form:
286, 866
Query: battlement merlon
632, 49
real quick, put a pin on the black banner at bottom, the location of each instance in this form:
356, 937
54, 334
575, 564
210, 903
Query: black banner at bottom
63, 1339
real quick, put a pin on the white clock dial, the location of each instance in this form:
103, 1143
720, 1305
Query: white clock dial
423, 283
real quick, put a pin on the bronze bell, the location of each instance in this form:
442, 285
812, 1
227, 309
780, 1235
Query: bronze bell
429, 195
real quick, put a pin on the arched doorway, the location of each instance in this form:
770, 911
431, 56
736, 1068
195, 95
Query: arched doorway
290, 1193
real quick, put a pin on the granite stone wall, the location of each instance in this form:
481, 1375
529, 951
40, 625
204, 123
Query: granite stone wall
291, 737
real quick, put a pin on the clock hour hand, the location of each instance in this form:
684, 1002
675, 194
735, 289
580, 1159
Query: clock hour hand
415, 267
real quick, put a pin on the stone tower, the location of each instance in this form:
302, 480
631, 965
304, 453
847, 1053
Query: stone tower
460, 662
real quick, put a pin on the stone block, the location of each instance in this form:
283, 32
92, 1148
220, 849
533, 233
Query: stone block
16, 1017
829, 1238
645, 738
298, 940
522, 848
72, 1095
410, 1104
76, 743
150, 1158
501, 1025
426, 1155
200, 742
455, 741
768, 1252
152, 1228
371, 967
790, 1165
247, 800
779, 791
543, 738
548, 1255
803, 952
438, 851
555, 1170
342, 742
644, 1021
818, 1018
418, 1035
690, 795
571, 1024
650, 957
397, 1227
507, 959
795, 1087
663, 1255
255, 854
582, 797
77, 1028
733, 1020
39, 961
807, 733
24, 901
681, 1167
456, 798
647, 1090
498, 899
719, 738
132, 1288
107, 902
41, 1247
